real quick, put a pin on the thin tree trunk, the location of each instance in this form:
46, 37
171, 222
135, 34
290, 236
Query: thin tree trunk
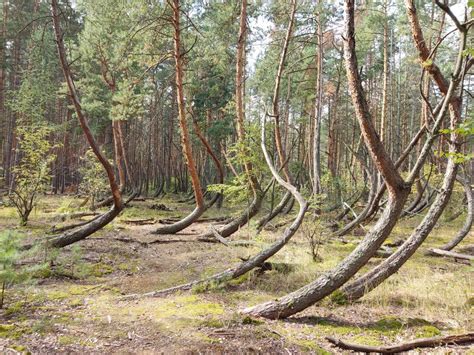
256, 203
276, 117
318, 109
96, 224
386, 71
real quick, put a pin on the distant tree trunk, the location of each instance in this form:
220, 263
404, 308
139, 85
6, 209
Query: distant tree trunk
318, 109
386, 71
209, 150
276, 94
240, 92
397, 194
118, 154
3, 70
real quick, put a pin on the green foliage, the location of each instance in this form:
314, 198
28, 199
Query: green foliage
32, 173
464, 129
240, 153
338, 297
94, 179
127, 102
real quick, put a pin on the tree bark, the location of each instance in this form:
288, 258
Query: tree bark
118, 204
402, 348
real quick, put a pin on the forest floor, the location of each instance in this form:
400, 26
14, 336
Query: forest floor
76, 304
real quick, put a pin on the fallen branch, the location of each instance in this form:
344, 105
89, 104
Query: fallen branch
419, 343
441, 252
142, 221
124, 240
172, 220
219, 237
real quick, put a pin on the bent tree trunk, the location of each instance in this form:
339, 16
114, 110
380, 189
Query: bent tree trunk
363, 214
276, 117
86, 230
392, 264
274, 212
374, 205
235, 224
466, 228
398, 191
264, 255
256, 203
185, 139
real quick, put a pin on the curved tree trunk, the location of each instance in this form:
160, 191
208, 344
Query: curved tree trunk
414, 204
240, 97
185, 139
392, 264
256, 203
466, 228
86, 230
333, 279
364, 213
274, 212
276, 117
235, 224
97, 223
398, 191
374, 206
